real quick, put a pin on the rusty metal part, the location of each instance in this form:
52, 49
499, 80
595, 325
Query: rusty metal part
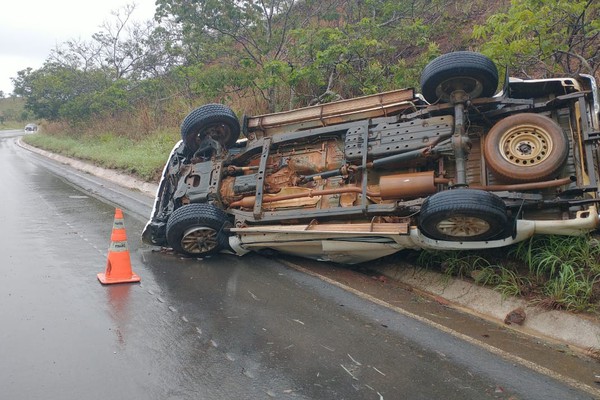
226, 191
312, 160
276, 181
372, 106
298, 202
392, 187
460, 140
248, 201
232, 169
526, 186
406, 186
348, 199
401, 186
343, 171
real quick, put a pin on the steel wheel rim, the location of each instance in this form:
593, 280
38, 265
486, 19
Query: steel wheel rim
219, 132
198, 240
463, 226
526, 145
469, 85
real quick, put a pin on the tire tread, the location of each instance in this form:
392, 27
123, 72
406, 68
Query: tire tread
210, 113
456, 64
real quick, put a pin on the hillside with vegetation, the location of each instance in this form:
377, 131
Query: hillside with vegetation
135, 78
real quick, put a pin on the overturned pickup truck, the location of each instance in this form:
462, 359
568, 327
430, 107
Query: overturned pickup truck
456, 167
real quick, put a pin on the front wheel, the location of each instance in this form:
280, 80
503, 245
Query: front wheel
463, 215
197, 230
212, 121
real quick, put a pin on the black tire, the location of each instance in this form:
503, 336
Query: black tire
471, 72
213, 120
197, 230
525, 148
464, 215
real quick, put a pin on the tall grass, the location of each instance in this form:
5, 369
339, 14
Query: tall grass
511, 283
559, 272
570, 289
545, 255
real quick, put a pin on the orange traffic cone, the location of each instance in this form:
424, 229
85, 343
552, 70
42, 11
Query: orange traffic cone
118, 266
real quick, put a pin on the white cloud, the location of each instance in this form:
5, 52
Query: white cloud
29, 30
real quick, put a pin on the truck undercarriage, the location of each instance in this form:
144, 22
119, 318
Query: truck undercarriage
453, 168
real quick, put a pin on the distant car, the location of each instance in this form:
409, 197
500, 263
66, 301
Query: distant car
31, 128
456, 167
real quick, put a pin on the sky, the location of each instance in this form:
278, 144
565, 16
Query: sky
30, 29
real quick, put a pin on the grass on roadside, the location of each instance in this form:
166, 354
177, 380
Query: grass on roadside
144, 158
555, 272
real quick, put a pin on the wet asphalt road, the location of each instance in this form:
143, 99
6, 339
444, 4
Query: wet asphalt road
220, 328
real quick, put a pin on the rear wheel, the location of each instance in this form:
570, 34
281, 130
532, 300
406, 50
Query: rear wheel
197, 230
525, 148
463, 215
471, 72
214, 121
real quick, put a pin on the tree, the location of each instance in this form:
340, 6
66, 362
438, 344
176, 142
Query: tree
56, 92
545, 37
297, 53
364, 47
252, 34
76, 54
123, 48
